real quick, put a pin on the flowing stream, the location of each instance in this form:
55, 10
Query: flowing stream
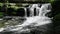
32, 21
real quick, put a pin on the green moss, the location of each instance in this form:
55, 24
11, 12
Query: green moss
1, 4
1, 14
1, 25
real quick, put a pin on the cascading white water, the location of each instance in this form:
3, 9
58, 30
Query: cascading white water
38, 20
41, 16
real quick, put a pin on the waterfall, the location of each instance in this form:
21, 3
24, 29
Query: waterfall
33, 21
41, 16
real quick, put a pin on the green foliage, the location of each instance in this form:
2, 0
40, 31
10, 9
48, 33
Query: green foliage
1, 14
57, 16
1, 4
57, 20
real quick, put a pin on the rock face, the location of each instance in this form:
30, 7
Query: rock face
39, 24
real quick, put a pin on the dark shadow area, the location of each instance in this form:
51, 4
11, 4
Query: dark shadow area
28, 12
28, 1
56, 16
20, 12
2, 1
35, 12
10, 11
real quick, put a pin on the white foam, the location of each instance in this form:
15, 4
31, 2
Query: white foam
1, 29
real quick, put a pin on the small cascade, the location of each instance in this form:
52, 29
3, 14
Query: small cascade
33, 21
